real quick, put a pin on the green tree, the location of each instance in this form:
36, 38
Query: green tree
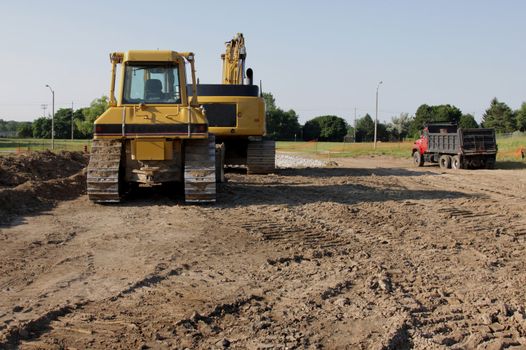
63, 123
381, 132
270, 102
398, 128
25, 130
331, 127
365, 129
78, 117
42, 128
520, 116
311, 130
434, 114
89, 114
283, 125
10, 126
350, 134
467, 121
500, 117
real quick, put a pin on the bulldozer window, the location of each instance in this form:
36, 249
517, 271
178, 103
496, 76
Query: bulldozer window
151, 84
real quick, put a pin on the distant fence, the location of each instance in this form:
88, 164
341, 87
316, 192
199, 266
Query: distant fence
346, 149
7, 133
511, 135
14, 145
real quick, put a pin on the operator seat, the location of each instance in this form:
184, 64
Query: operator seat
153, 89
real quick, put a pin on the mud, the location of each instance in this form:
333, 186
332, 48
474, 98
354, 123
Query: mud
371, 254
34, 182
39, 166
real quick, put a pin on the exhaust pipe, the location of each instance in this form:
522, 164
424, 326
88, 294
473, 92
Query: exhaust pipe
250, 77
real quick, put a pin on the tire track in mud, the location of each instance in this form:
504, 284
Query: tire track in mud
31, 330
299, 229
49, 260
446, 325
502, 188
262, 321
309, 234
429, 269
271, 228
439, 320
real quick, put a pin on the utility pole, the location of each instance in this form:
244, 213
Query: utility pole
52, 118
72, 120
376, 116
44, 107
355, 124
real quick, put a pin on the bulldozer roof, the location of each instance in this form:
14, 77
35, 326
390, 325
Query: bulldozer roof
150, 56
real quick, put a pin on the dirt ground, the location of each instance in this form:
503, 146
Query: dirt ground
369, 254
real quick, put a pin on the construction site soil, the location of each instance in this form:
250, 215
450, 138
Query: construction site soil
368, 253
36, 181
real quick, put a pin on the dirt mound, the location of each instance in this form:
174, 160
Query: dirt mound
36, 181
39, 166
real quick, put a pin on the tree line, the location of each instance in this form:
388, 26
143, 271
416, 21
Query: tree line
40, 128
284, 125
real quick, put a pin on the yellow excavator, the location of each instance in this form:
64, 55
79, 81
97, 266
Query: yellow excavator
154, 132
236, 114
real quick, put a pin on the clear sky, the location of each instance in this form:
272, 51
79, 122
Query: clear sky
316, 57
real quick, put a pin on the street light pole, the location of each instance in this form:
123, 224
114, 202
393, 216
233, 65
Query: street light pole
72, 120
354, 124
376, 116
52, 118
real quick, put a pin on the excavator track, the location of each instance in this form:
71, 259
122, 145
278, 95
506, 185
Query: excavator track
103, 171
261, 157
200, 170
220, 163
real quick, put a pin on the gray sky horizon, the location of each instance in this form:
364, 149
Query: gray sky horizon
317, 58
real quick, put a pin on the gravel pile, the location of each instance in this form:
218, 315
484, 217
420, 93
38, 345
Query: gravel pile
284, 161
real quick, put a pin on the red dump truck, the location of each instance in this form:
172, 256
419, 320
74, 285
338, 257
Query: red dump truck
453, 147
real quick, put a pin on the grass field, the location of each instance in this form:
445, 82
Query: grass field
509, 147
14, 145
340, 149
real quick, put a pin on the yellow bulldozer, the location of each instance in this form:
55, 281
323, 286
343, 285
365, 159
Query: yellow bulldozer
154, 132
235, 111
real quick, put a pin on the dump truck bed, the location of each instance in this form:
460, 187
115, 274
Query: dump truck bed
449, 139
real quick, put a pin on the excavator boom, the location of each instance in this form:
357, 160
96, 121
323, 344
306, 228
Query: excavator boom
234, 61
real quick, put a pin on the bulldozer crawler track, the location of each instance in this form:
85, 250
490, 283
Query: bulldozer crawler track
261, 157
200, 171
103, 171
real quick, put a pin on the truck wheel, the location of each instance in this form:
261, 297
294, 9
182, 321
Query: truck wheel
445, 161
456, 162
490, 162
418, 160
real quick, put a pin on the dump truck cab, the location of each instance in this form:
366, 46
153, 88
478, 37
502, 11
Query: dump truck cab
154, 132
421, 144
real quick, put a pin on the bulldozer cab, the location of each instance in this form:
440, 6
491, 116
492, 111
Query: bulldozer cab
152, 78
151, 83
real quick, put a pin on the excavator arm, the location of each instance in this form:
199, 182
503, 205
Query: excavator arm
234, 61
